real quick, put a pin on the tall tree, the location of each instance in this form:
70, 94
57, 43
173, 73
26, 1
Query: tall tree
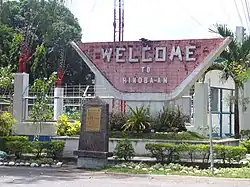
10, 41
47, 24
234, 64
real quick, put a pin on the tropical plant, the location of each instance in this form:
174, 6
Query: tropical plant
139, 119
171, 119
234, 64
41, 110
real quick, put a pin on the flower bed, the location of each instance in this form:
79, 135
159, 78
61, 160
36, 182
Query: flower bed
177, 169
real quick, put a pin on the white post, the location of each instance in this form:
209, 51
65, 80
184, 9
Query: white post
210, 127
21, 90
245, 110
239, 34
58, 102
200, 106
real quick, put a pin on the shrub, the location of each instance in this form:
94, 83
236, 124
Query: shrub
164, 151
124, 149
55, 149
171, 152
117, 120
230, 154
75, 128
246, 144
18, 148
245, 134
66, 128
171, 119
39, 147
6, 122
138, 121
15, 138
159, 135
4, 140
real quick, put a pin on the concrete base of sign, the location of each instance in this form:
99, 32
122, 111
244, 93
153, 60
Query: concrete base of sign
91, 163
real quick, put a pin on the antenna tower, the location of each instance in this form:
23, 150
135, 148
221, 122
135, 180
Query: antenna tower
118, 23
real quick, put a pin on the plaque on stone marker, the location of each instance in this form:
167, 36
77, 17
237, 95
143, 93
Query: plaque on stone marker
93, 149
93, 119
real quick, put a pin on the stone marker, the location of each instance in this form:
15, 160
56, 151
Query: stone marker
93, 143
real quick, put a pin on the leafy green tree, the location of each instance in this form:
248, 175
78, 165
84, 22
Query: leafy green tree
6, 77
47, 24
10, 41
39, 65
235, 64
41, 110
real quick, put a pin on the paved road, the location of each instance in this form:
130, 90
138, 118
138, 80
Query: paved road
31, 177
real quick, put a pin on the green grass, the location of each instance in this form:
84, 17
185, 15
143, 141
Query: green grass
176, 169
166, 136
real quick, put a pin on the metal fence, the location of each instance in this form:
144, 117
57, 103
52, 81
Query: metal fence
6, 100
73, 98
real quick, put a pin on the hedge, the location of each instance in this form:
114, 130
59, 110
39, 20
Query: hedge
167, 152
19, 145
5, 139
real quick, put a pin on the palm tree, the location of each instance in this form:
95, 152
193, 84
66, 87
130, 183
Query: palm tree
235, 64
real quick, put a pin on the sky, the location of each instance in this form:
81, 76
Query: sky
157, 19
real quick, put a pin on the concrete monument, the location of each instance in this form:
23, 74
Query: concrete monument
93, 143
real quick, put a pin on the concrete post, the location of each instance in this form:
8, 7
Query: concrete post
245, 112
58, 102
244, 115
21, 90
200, 106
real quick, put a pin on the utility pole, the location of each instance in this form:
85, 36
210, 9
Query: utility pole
239, 34
118, 22
210, 127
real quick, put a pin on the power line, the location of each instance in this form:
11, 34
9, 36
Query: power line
246, 17
248, 12
238, 12
192, 17
93, 7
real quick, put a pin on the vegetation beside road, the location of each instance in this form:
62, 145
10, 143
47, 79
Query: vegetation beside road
177, 169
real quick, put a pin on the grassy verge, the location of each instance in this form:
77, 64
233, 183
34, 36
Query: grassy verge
177, 169
167, 136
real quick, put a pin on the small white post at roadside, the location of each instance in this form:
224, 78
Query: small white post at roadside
210, 127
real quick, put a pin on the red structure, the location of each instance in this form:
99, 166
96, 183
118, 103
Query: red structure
23, 58
60, 76
152, 67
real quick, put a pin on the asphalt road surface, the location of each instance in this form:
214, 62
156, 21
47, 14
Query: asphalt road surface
38, 177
